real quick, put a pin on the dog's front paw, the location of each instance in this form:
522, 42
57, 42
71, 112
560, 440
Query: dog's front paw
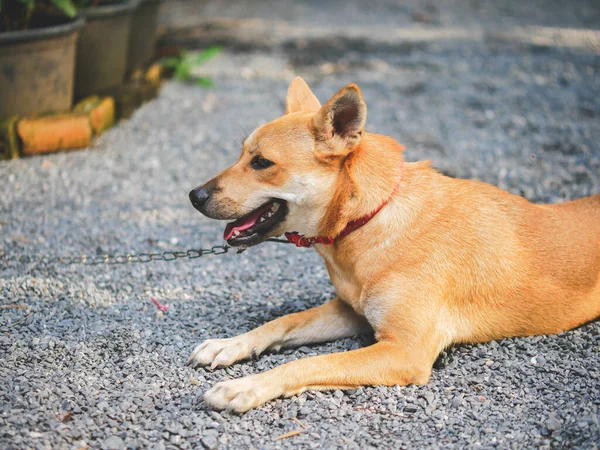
239, 395
220, 352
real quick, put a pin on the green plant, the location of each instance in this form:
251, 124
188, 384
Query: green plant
183, 64
18, 14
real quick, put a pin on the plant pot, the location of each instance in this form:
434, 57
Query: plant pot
37, 69
143, 34
102, 48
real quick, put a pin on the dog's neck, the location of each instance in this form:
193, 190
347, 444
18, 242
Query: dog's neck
368, 177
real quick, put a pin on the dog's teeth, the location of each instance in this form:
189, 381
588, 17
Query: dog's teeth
236, 233
270, 214
275, 207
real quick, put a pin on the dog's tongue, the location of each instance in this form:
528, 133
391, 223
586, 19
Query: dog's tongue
245, 222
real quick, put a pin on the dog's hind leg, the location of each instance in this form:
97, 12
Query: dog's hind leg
330, 321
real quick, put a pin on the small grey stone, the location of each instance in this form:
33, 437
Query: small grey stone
102, 406
304, 411
218, 417
113, 443
209, 441
429, 397
125, 405
553, 423
456, 401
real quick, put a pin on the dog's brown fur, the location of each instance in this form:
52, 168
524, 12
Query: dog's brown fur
445, 260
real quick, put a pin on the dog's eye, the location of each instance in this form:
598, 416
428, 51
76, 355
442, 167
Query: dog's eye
260, 163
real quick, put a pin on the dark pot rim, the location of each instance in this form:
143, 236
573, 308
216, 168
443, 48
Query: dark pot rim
42, 33
100, 12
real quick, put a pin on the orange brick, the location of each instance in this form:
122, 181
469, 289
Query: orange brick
102, 116
53, 133
101, 112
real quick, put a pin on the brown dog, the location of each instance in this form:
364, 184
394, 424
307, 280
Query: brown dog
422, 259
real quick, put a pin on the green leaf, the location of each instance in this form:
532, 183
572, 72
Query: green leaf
183, 71
184, 64
205, 82
207, 54
66, 6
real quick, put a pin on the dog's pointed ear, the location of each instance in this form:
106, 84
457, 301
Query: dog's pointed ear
300, 98
341, 121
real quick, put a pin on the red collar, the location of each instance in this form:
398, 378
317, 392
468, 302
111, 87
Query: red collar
302, 241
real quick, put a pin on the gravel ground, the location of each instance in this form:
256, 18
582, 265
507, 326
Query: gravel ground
91, 360
393, 13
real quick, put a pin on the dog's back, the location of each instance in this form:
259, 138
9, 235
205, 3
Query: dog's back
579, 224
556, 280
511, 267
585, 212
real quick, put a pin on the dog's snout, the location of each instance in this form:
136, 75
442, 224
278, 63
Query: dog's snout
199, 196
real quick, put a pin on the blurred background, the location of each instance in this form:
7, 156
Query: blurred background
467, 83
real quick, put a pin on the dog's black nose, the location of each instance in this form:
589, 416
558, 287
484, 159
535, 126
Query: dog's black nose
198, 197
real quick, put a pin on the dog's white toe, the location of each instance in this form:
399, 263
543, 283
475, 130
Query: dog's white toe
237, 395
219, 352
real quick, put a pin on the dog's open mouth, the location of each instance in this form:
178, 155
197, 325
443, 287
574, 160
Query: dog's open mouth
254, 228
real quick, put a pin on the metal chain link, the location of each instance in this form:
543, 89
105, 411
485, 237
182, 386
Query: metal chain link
91, 260
129, 258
